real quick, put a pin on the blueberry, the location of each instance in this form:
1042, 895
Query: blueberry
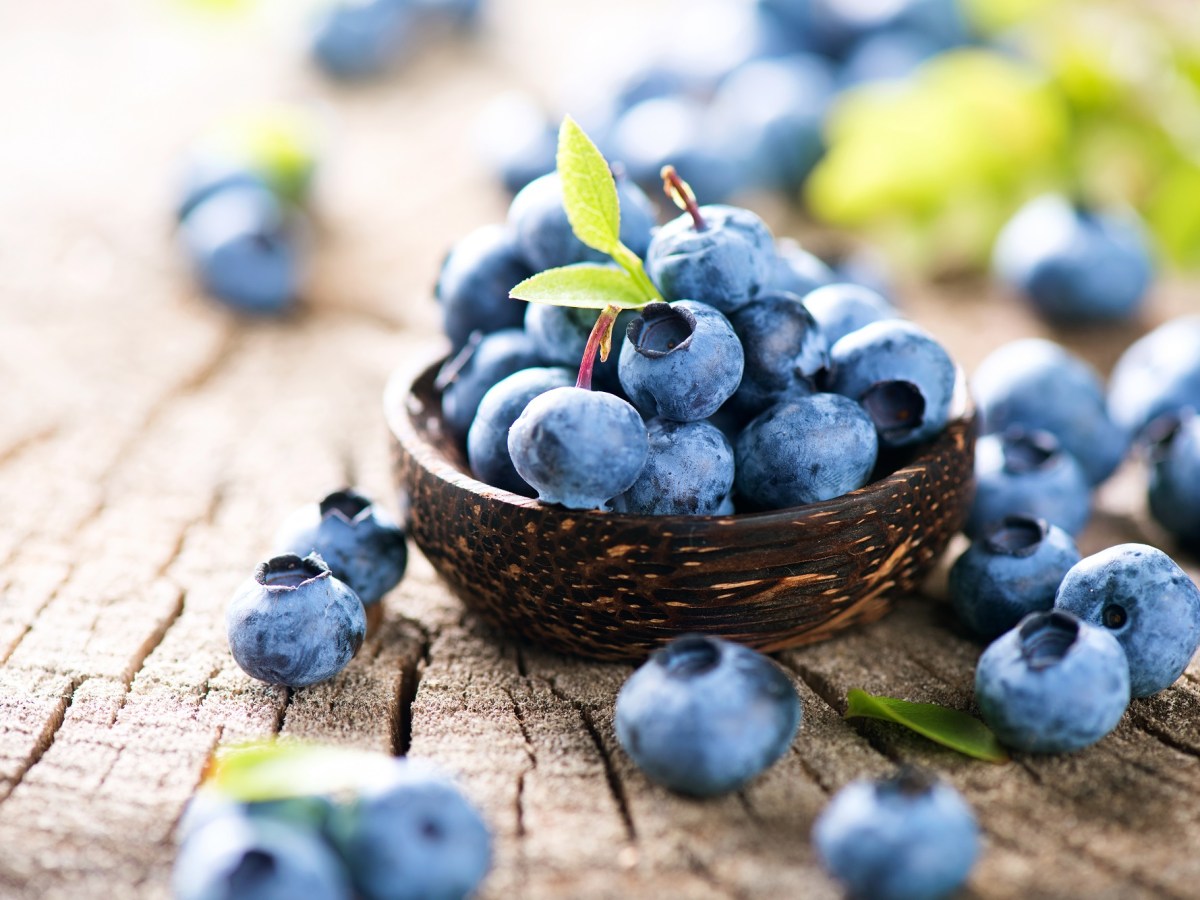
680, 361
1175, 476
251, 858
560, 335
487, 440
412, 837
245, 250
866, 267
1159, 373
843, 308
462, 13
1053, 684
689, 471
704, 716
796, 271
544, 235
1037, 384
516, 139
355, 39
723, 263
293, 623
362, 545
1075, 264
885, 56
466, 377
909, 837
785, 350
1014, 569
1139, 595
1019, 472
805, 450
773, 110
473, 286
577, 447
900, 374
673, 130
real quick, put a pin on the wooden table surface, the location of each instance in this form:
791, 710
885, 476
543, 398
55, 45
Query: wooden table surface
150, 442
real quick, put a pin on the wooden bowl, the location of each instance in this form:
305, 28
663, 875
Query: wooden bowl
613, 586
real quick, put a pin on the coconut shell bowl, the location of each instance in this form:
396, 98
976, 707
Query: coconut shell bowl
613, 586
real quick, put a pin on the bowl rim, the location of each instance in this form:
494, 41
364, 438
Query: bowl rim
400, 421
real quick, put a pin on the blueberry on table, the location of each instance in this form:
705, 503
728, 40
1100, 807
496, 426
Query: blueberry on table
1140, 596
908, 837
412, 837
689, 471
1053, 684
245, 249
361, 543
1075, 264
704, 716
1020, 472
577, 447
253, 858
797, 271
1038, 384
680, 361
208, 807
803, 450
785, 350
473, 286
902, 376
207, 174
293, 623
1159, 373
1174, 491
470, 374
543, 233
487, 440
842, 308
719, 255
1014, 569
355, 39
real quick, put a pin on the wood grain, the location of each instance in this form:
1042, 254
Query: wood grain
150, 442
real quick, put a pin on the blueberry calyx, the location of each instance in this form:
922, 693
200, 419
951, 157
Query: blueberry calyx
347, 504
288, 571
1114, 617
661, 329
1161, 432
1027, 451
896, 407
1018, 536
689, 656
1046, 638
253, 870
909, 780
682, 195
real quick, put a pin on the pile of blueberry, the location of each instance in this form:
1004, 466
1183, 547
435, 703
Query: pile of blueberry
737, 96
403, 831
240, 214
357, 39
304, 613
749, 376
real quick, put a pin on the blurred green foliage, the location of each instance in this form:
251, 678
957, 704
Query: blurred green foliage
1098, 100
281, 143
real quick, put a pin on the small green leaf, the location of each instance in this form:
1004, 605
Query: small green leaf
273, 771
589, 191
948, 727
583, 285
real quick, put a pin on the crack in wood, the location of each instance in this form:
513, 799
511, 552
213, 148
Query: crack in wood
410, 682
610, 772
46, 739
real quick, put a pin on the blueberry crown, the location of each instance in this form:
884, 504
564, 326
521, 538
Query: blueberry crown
1016, 536
909, 780
290, 571
1047, 637
346, 503
661, 329
1028, 450
689, 656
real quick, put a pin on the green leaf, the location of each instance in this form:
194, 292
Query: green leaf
583, 285
274, 771
589, 191
948, 727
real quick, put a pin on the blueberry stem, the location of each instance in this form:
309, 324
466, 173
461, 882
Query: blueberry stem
599, 339
681, 195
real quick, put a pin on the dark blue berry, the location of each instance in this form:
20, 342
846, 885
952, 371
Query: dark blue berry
689, 471
476, 277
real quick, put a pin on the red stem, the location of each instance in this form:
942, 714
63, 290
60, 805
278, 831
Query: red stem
681, 195
600, 340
